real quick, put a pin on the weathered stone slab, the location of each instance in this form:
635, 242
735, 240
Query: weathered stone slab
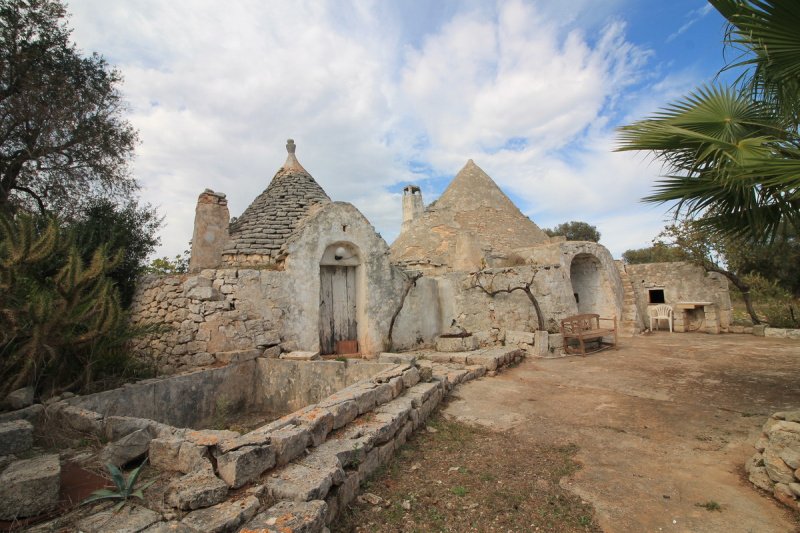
117, 427
410, 377
15, 437
519, 338
192, 458
343, 413
237, 356
777, 470
759, 478
488, 360
349, 452
290, 517
289, 442
30, 487
300, 483
397, 358
422, 391
245, 464
318, 421
77, 419
223, 517
456, 344
129, 519
163, 453
197, 490
300, 356
126, 449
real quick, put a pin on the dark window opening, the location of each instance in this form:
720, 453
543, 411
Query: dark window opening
655, 296
577, 298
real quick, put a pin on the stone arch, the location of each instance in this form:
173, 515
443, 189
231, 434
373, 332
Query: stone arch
591, 286
341, 296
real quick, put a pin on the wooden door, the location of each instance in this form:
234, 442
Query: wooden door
337, 306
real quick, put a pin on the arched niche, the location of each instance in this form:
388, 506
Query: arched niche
591, 286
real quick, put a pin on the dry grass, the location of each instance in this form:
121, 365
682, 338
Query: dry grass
464, 478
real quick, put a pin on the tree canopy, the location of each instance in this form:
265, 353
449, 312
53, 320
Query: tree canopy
575, 230
732, 154
63, 137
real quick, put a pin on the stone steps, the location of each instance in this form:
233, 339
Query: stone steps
630, 322
311, 462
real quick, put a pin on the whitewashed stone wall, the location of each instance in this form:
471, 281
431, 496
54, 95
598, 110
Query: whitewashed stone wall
681, 282
437, 303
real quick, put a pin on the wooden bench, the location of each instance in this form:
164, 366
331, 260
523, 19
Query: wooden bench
587, 328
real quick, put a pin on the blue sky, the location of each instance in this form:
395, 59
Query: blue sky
380, 94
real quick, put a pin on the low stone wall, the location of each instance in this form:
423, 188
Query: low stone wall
775, 467
270, 386
200, 316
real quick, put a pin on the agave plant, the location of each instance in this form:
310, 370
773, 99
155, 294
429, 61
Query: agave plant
124, 488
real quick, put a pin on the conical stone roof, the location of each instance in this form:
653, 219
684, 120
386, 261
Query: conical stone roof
472, 206
267, 222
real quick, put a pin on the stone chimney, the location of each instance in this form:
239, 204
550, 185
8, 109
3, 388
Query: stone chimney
211, 219
412, 205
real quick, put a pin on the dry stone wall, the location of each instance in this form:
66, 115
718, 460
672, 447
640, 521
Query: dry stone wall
199, 318
775, 467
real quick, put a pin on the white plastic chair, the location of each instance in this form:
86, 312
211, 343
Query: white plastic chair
660, 312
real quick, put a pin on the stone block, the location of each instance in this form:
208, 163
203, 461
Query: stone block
397, 358
245, 464
383, 393
77, 419
20, 398
289, 442
410, 377
163, 453
760, 478
237, 356
519, 338
299, 482
15, 437
296, 517
130, 447
456, 344
196, 490
349, 452
117, 427
129, 519
318, 421
759, 330
223, 517
777, 470
300, 356
192, 458
30, 487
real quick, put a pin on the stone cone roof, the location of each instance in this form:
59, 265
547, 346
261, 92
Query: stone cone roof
471, 205
267, 222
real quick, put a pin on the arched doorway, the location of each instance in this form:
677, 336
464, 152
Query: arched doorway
338, 298
591, 286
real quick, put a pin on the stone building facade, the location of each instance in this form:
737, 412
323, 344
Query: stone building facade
298, 271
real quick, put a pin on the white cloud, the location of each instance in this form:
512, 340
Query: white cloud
215, 91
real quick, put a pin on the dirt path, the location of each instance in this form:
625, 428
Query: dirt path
664, 425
